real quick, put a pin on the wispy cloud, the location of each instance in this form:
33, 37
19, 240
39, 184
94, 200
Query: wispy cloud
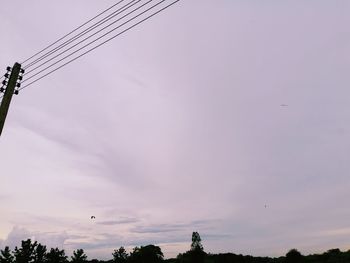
119, 221
4, 197
164, 228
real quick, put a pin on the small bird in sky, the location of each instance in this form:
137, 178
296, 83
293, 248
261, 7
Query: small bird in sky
93, 217
284, 105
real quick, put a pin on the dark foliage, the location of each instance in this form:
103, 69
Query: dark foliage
196, 253
40, 254
147, 254
6, 256
56, 256
78, 256
294, 256
196, 244
34, 252
26, 253
120, 255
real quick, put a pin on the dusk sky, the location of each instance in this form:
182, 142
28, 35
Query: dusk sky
226, 117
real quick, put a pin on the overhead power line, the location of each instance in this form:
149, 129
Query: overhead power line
74, 30
97, 46
82, 41
84, 32
91, 42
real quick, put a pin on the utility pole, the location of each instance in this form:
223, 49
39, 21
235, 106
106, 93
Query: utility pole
10, 90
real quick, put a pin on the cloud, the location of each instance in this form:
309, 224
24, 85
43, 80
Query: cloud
215, 236
118, 222
198, 133
335, 232
145, 234
156, 229
110, 242
50, 239
164, 228
4, 197
15, 237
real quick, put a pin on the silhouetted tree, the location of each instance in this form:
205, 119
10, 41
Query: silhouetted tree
196, 242
196, 253
26, 253
6, 256
183, 257
78, 256
135, 255
33, 252
146, 254
39, 254
332, 255
56, 256
120, 255
294, 256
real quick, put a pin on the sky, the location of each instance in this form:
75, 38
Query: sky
226, 117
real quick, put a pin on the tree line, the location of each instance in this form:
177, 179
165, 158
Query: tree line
34, 252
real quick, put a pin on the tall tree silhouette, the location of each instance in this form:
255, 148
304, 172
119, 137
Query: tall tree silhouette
6, 256
120, 255
197, 253
196, 242
79, 256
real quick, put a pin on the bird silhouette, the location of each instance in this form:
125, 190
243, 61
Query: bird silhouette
93, 217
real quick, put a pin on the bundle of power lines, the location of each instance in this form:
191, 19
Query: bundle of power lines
104, 27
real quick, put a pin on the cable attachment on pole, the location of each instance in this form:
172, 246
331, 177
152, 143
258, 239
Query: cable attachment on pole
19, 81
5, 81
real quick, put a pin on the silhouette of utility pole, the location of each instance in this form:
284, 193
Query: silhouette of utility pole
9, 91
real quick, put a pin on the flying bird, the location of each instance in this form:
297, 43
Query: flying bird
93, 217
284, 105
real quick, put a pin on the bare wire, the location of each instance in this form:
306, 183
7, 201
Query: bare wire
74, 30
80, 42
84, 32
95, 47
91, 42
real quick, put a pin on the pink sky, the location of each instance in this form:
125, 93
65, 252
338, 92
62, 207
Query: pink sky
177, 126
